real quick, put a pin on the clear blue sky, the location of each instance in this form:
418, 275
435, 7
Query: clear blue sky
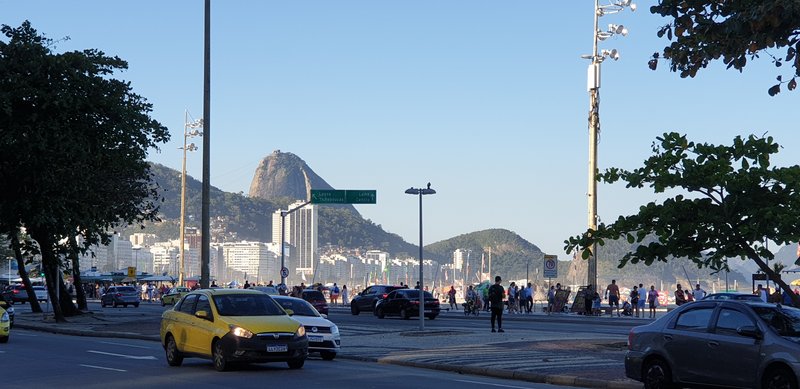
486, 100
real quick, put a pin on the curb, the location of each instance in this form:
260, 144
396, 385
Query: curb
504, 374
97, 334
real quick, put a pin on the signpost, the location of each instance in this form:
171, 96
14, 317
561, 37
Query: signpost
550, 266
284, 272
131, 271
341, 196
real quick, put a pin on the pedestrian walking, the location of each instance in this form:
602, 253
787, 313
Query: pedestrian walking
635, 300
150, 291
451, 297
612, 291
652, 301
512, 297
529, 298
551, 298
588, 297
345, 296
680, 297
642, 298
496, 294
246, 284
335, 294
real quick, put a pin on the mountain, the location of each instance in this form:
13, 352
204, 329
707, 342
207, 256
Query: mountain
512, 256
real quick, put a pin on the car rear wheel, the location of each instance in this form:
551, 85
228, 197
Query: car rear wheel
162, 303
379, 313
779, 378
114, 304
328, 355
404, 314
220, 357
656, 375
296, 363
431, 317
136, 305
4, 339
354, 309
102, 304
174, 356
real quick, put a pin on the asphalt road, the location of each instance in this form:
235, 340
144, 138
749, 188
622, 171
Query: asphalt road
36, 359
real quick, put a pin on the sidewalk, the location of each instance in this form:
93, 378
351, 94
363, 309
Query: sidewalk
509, 355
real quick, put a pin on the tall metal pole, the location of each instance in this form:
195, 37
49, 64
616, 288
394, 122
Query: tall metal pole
283, 246
183, 203
205, 238
421, 283
594, 129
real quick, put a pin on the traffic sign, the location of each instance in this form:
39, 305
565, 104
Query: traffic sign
131, 272
339, 196
284, 272
550, 266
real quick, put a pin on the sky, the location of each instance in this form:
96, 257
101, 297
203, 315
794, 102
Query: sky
485, 100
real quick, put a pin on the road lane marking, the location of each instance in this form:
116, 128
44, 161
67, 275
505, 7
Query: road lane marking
17, 333
146, 357
103, 368
128, 345
491, 384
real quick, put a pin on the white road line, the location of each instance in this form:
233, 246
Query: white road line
102, 368
150, 357
17, 333
491, 384
127, 345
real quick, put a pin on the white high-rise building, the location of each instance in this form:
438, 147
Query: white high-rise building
301, 233
250, 260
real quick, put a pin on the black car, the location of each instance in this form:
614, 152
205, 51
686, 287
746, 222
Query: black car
366, 300
317, 299
722, 343
15, 294
405, 303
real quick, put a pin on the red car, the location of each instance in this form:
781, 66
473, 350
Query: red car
317, 299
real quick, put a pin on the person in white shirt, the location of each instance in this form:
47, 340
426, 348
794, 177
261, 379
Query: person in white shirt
698, 293
761, 292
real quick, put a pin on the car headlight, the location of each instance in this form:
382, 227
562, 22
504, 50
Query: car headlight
301, 332
334, 330
240, 332
10, 310
5, 319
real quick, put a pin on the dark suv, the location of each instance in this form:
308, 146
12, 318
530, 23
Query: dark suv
366, 300
317, 299
15, 294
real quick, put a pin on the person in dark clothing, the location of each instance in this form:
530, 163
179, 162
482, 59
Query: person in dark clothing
588, 296
496, 293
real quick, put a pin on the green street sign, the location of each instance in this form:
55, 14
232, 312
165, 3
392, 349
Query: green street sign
336, 196
361, 196
326, 196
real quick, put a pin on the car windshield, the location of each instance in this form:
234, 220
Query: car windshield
299, 307
247, 305
125, 289
784, 320
414, 294
313, 295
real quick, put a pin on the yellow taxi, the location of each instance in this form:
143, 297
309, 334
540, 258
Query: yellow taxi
232, 325
5, 326
174, 294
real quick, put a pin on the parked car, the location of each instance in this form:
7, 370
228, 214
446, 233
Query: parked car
9, 309
270, 290
733, 296
323, 335
5, 326
120, 295
232, 325
405, 303
724, 343
317, 299
174, 294
41, 293
366, 300
15, 294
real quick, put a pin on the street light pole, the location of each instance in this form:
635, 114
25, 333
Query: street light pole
419, 192
593, 84
193, 125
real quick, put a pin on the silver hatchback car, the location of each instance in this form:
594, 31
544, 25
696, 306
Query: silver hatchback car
725, 343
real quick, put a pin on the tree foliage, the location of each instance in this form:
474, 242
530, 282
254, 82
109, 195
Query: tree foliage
733, 200
702, 31
73, 143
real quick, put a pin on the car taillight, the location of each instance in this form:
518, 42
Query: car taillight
384, 295
415, 302
16, 291
118, 295
630, 340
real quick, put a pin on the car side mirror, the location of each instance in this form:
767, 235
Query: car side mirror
749, 331
324, 316
289, 312
203, 315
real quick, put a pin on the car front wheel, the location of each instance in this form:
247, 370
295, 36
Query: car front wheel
779, 379
296, 363
220, 357
174, 356
657, 375
354, 309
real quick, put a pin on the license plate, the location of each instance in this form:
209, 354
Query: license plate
315, 339
281, 348
428, 311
